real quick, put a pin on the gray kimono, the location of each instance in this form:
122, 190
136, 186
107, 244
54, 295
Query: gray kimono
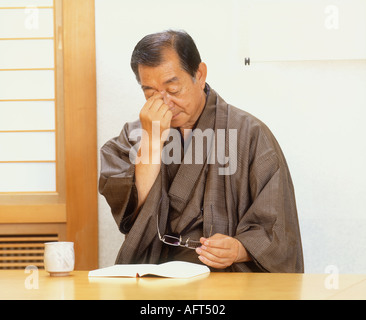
250, 198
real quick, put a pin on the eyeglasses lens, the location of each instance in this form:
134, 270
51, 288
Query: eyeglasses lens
171, 240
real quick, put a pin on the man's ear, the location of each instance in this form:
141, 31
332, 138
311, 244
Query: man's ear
201, 75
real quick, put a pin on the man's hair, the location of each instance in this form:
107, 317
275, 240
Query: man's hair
149, 51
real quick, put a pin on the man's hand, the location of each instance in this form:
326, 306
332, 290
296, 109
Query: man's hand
151, 145
221, 251
155, 110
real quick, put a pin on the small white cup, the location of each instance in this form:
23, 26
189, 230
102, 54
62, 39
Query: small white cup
59, 258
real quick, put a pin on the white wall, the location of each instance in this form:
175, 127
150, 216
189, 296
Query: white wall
313, 99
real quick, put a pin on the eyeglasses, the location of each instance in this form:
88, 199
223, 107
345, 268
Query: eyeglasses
177, 241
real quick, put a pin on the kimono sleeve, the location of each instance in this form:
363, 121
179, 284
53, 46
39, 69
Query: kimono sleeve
269, 228
117, 179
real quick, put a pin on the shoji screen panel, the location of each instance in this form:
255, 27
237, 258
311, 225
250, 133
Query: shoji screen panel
27, 96
31, 115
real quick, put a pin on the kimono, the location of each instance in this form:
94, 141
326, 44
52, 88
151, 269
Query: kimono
240, 187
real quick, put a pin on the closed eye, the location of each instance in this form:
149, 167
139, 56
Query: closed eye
173, 92
149, 92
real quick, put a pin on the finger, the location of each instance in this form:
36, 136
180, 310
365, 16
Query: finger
156, 105
213, 264
165, 115
212, 254
216, 253
218, 241
152, 99
217, 261
223, 247
168, 116
163, 109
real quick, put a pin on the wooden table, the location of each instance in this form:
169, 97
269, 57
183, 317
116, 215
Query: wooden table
17, 284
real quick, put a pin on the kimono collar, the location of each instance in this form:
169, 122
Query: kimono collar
189, 171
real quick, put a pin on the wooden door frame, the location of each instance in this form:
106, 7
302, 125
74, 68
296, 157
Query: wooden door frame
80, 111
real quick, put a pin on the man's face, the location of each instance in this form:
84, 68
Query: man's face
184, 95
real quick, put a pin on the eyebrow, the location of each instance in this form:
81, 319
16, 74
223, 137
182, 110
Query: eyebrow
174, 79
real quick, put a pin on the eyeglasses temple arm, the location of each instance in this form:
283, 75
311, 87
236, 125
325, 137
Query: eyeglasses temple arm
157, 227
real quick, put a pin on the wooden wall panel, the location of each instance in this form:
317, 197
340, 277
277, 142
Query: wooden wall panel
80, 130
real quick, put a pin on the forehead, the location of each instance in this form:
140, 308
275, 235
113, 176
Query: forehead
168, 72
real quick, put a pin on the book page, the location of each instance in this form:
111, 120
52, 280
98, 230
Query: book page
173, 269
179, 269
123, 270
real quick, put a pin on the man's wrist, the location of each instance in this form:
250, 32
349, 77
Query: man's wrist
243, 255
150, 152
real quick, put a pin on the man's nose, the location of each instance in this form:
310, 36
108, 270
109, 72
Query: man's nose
167, 99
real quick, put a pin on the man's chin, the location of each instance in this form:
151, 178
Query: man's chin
177, 121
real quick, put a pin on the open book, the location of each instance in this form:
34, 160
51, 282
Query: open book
172, 269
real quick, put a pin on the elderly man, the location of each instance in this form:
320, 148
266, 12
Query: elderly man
228, 202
